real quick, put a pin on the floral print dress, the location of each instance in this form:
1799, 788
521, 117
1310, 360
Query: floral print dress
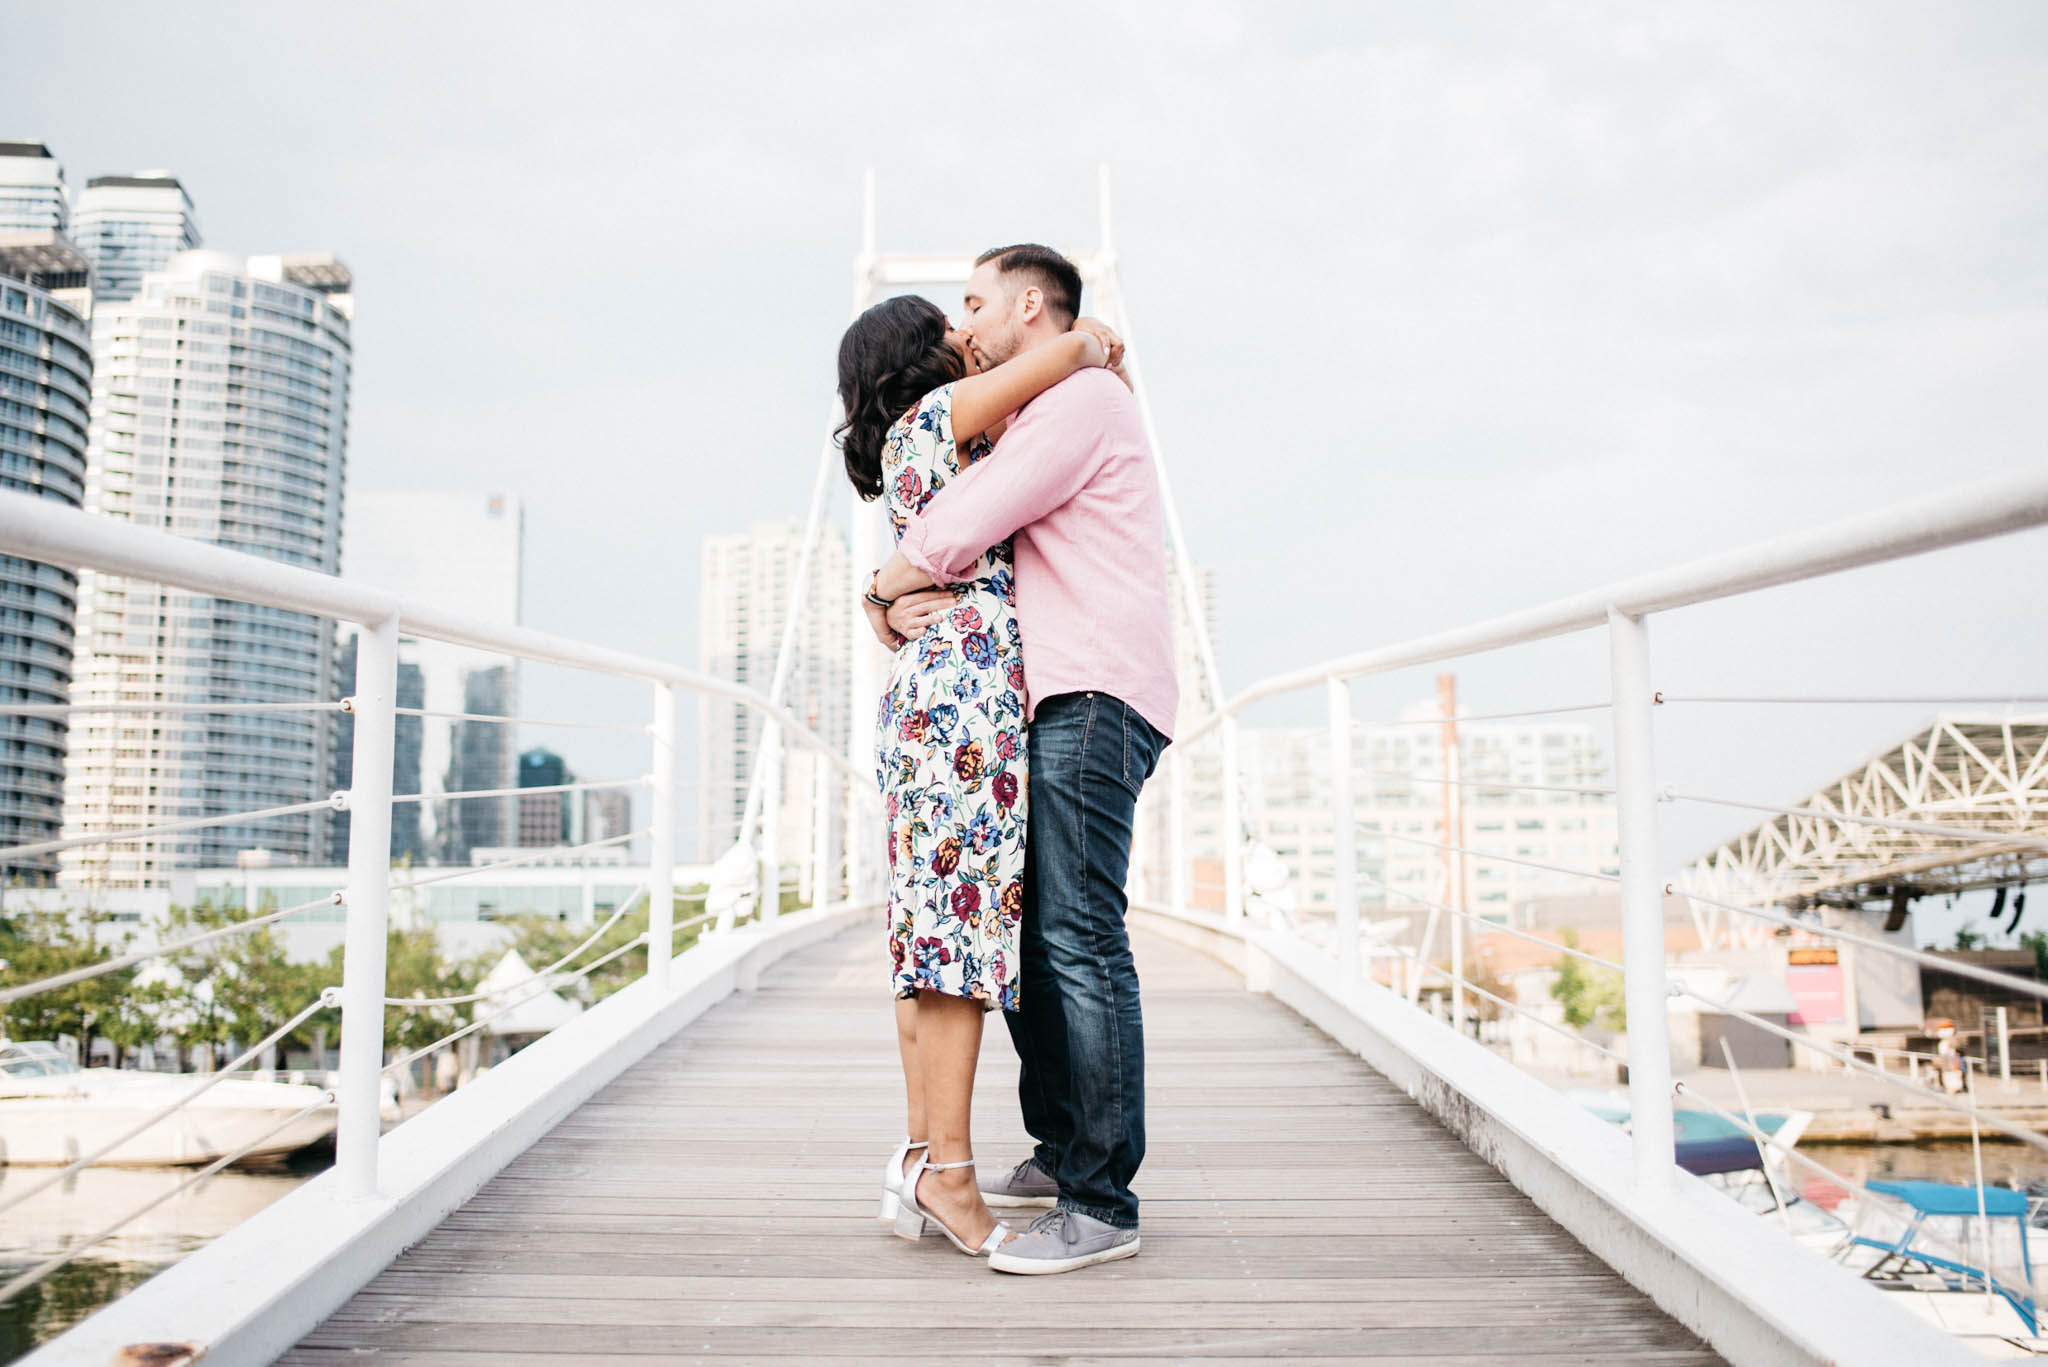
950, 752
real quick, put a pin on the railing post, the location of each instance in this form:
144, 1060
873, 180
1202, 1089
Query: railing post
1233, 827
824, 885
1178, 874
769, 903
1343, 829
661, 880
1642, 906
368, 898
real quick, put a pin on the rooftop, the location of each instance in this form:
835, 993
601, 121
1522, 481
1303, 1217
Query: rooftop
154, 181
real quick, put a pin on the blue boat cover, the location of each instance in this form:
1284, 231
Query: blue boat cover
1940, 1198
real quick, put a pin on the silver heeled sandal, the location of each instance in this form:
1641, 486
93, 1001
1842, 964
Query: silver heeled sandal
892, 1179
912, 1218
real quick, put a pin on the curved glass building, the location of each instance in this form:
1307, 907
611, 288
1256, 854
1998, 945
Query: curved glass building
45, 388
219, 412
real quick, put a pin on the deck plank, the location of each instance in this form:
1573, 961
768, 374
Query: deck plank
713, 1205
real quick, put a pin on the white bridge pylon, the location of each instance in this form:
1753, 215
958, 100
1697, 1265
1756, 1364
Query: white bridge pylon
877, 275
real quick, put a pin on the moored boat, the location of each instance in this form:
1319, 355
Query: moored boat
52, 1112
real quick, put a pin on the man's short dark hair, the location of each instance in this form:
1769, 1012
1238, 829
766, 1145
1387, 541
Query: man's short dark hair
1054, 275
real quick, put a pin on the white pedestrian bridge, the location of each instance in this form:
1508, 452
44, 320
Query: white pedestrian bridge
683, 1172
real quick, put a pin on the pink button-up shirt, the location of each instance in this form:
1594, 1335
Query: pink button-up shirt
1072, 478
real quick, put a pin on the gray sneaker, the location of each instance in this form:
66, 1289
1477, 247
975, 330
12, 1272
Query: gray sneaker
1060, 1241
1027, 1185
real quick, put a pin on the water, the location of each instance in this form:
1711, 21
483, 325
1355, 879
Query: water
92, 1199
2006, 1164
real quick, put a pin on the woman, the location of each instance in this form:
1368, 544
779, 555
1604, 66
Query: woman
950, 748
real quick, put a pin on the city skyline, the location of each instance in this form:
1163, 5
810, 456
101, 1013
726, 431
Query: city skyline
217, 397
219, 412
1619, 291
747, 578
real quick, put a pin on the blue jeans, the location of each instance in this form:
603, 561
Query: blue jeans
1079, 1033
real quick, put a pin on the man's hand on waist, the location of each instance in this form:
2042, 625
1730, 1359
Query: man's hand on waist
915, 613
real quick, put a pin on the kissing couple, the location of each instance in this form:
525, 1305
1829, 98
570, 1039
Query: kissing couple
1031, 694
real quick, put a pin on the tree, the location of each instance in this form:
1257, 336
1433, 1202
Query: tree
2037, 940
36, 944
414, 967
234, 988
541, 942
1969, 937
1591, 995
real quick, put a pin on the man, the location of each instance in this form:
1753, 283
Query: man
1072, 480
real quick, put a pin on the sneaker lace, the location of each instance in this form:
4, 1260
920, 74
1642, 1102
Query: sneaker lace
1053, 1222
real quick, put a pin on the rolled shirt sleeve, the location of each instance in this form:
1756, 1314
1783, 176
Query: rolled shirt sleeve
1035, 468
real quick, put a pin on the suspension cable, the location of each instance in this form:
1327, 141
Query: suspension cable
328, 998
115, 965
1991, 1118
1516, 1007
1959, 967
554, 967
45, 1268
1482, 854
332, 804
542, 989
66, 709
550, 852
1492, 786
521, 792
1493, 925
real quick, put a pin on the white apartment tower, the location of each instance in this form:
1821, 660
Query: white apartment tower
128, 226
1397, 785
746, 585
219, 412
32, 198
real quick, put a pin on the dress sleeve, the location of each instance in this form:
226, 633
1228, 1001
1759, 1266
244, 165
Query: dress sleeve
917, 455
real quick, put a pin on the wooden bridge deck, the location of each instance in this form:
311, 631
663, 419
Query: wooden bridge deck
715, 1203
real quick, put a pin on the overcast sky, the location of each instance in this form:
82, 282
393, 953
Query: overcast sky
1446, 308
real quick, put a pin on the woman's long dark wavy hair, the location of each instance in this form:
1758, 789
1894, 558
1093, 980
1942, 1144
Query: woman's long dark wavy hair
893, 355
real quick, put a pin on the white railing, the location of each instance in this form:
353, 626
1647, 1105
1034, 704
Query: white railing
1623, 610
44, 531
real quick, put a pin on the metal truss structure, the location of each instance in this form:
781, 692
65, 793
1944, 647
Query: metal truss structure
1873, 837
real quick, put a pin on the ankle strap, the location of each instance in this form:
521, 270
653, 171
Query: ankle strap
941, 1167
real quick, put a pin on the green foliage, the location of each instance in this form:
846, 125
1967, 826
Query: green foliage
1591, 996
41, 944
1969, 937
2037, 940
541, 942
235, 987
414, 967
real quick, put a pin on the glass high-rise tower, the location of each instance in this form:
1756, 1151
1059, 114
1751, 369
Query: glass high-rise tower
128, 226
45, 390
219, 412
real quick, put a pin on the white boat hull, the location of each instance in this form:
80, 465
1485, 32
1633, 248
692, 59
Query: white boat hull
41, 1128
